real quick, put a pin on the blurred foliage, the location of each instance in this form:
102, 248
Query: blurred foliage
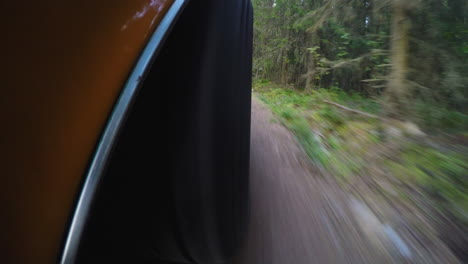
433, 117
347, 44
348, 144
443, 174
320, 128
404, 63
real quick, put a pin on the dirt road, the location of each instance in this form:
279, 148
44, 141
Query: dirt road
299, 216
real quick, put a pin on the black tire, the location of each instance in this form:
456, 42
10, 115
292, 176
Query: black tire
193, 112
212, 129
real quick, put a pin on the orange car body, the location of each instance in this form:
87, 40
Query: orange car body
64, 65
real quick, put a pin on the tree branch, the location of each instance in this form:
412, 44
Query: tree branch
353, 110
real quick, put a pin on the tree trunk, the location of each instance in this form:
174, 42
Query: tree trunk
309, 85
397, 90
284, 71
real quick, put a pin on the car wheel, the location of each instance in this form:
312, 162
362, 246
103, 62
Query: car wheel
176, 187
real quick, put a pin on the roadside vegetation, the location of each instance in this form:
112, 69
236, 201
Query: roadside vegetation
421, 166
345, 141
376, 93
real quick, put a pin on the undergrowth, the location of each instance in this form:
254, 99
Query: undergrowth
346, 144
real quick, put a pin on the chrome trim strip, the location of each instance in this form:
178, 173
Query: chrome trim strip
106, 142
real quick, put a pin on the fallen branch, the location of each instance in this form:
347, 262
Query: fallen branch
353, 110
393, 126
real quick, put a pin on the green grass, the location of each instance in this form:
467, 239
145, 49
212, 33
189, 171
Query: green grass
342, 142
318, 125
433, 117
443, 174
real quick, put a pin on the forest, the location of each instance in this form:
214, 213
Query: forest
375, 92
412, 52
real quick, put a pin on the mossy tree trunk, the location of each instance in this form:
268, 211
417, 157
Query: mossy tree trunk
310, 75
397, 89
